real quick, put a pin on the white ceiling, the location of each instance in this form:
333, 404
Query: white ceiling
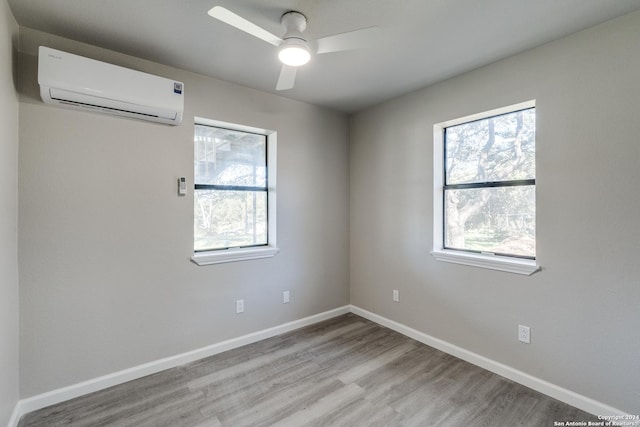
422, 41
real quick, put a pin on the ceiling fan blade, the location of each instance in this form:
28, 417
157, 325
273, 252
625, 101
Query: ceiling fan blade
287, 78
357, 39
228, 17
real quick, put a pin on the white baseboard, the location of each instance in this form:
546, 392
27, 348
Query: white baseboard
40, 401
562, 394
15, 416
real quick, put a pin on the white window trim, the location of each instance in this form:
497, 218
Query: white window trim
257, 252
488, 261
233, 255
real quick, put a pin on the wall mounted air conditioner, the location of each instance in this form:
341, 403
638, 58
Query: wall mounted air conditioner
72, 81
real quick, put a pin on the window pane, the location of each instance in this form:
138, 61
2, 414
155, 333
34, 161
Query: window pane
227, 219
228, 157
499, 220
498, 148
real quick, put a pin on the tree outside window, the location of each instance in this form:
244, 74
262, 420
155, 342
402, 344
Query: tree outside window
230, 198
489, 185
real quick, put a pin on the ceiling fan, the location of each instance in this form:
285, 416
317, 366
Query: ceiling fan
293, 47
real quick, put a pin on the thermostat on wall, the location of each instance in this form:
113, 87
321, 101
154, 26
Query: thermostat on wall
182, 186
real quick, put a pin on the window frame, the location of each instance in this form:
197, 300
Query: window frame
233, 254
507, 263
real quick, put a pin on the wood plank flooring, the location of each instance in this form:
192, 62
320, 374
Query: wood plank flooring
346, 371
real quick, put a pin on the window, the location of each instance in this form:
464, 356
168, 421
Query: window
234, 197
485, 189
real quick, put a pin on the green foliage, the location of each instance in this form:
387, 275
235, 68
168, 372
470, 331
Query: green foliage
498, 219
229, 216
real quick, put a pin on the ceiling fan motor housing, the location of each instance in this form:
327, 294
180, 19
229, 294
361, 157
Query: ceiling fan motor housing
294, 24
294, 50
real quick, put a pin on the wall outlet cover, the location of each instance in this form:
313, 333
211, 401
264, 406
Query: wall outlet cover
524, 334
239, 306
396, 295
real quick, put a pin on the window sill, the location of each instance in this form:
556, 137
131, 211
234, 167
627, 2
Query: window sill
492, 262
233, 255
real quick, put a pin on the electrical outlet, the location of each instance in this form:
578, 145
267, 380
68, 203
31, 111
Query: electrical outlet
524, 334
285, 297
396, 295
239, 306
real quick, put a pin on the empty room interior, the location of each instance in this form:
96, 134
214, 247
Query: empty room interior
433, 221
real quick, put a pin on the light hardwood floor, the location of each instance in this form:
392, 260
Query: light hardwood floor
346, 371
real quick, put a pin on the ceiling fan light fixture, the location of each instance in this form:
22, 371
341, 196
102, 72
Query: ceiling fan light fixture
294, 52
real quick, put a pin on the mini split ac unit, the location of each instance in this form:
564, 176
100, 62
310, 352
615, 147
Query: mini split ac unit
72, 81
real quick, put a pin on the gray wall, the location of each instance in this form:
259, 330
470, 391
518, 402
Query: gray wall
8, 215
583, 307
105, 277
